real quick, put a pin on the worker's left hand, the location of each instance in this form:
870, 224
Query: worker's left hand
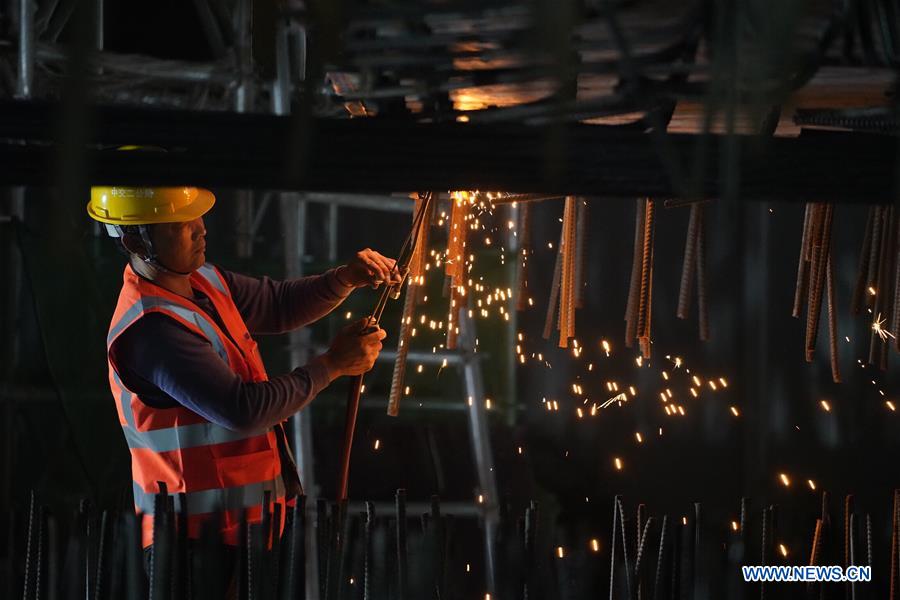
371, 268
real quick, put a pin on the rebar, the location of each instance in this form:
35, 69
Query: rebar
802, 271
689, 264
402, 551
634, 286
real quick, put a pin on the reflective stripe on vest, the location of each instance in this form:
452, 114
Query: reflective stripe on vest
149, 303
217, 499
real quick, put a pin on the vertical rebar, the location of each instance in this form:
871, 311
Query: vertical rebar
29, 547
660, 558
802, 272
612, 548
402, 553
25, 80
689, 264
367, 551
634, 286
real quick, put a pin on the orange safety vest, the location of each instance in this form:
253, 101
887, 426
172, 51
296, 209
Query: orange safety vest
209, 469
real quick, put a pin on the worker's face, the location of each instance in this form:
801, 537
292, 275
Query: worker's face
180, 246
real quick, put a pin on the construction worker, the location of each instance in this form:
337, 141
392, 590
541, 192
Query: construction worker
201, 416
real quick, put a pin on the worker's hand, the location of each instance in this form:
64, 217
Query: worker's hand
371, 268
351, 352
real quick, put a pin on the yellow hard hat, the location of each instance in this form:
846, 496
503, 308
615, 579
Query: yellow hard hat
148, 205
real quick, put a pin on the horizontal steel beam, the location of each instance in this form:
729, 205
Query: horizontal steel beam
366, 156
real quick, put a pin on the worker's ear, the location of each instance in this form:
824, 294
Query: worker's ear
134, 244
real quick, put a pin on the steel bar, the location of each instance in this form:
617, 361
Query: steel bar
634, 286
25, 63
832, 321
555, 285
802, 262
368, 549
375, 155
660, 558
612, 548
689, 264
402, 550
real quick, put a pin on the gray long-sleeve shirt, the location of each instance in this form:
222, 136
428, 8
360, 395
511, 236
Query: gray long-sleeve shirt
167, 365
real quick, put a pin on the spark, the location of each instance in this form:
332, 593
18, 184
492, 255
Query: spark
723, 382
877, 327
560, 552
480, 498
377, 444
595, 545
734, 411
891, 406
872, 291
734, 526
617, 398
638, 437
825, 406
618, 463
605, 345
677, 362
665, 375
782, 549
811, 484
696, 381
784, 479
520, 450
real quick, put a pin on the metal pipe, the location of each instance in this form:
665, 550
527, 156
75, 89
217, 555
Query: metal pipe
25, 81
480, 438
367, 201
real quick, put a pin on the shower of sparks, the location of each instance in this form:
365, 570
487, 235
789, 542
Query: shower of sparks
877, 327
623, 397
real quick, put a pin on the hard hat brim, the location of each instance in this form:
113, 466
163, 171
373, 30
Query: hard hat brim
198, 207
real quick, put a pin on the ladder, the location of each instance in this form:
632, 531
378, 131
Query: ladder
465, 359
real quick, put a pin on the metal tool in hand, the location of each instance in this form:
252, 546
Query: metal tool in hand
390, 291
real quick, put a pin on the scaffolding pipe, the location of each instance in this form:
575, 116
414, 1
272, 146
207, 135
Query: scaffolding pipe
25, 81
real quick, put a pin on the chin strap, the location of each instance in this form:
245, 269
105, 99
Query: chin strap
151, 259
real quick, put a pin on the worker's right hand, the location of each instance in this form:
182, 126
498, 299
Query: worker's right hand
351, 352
